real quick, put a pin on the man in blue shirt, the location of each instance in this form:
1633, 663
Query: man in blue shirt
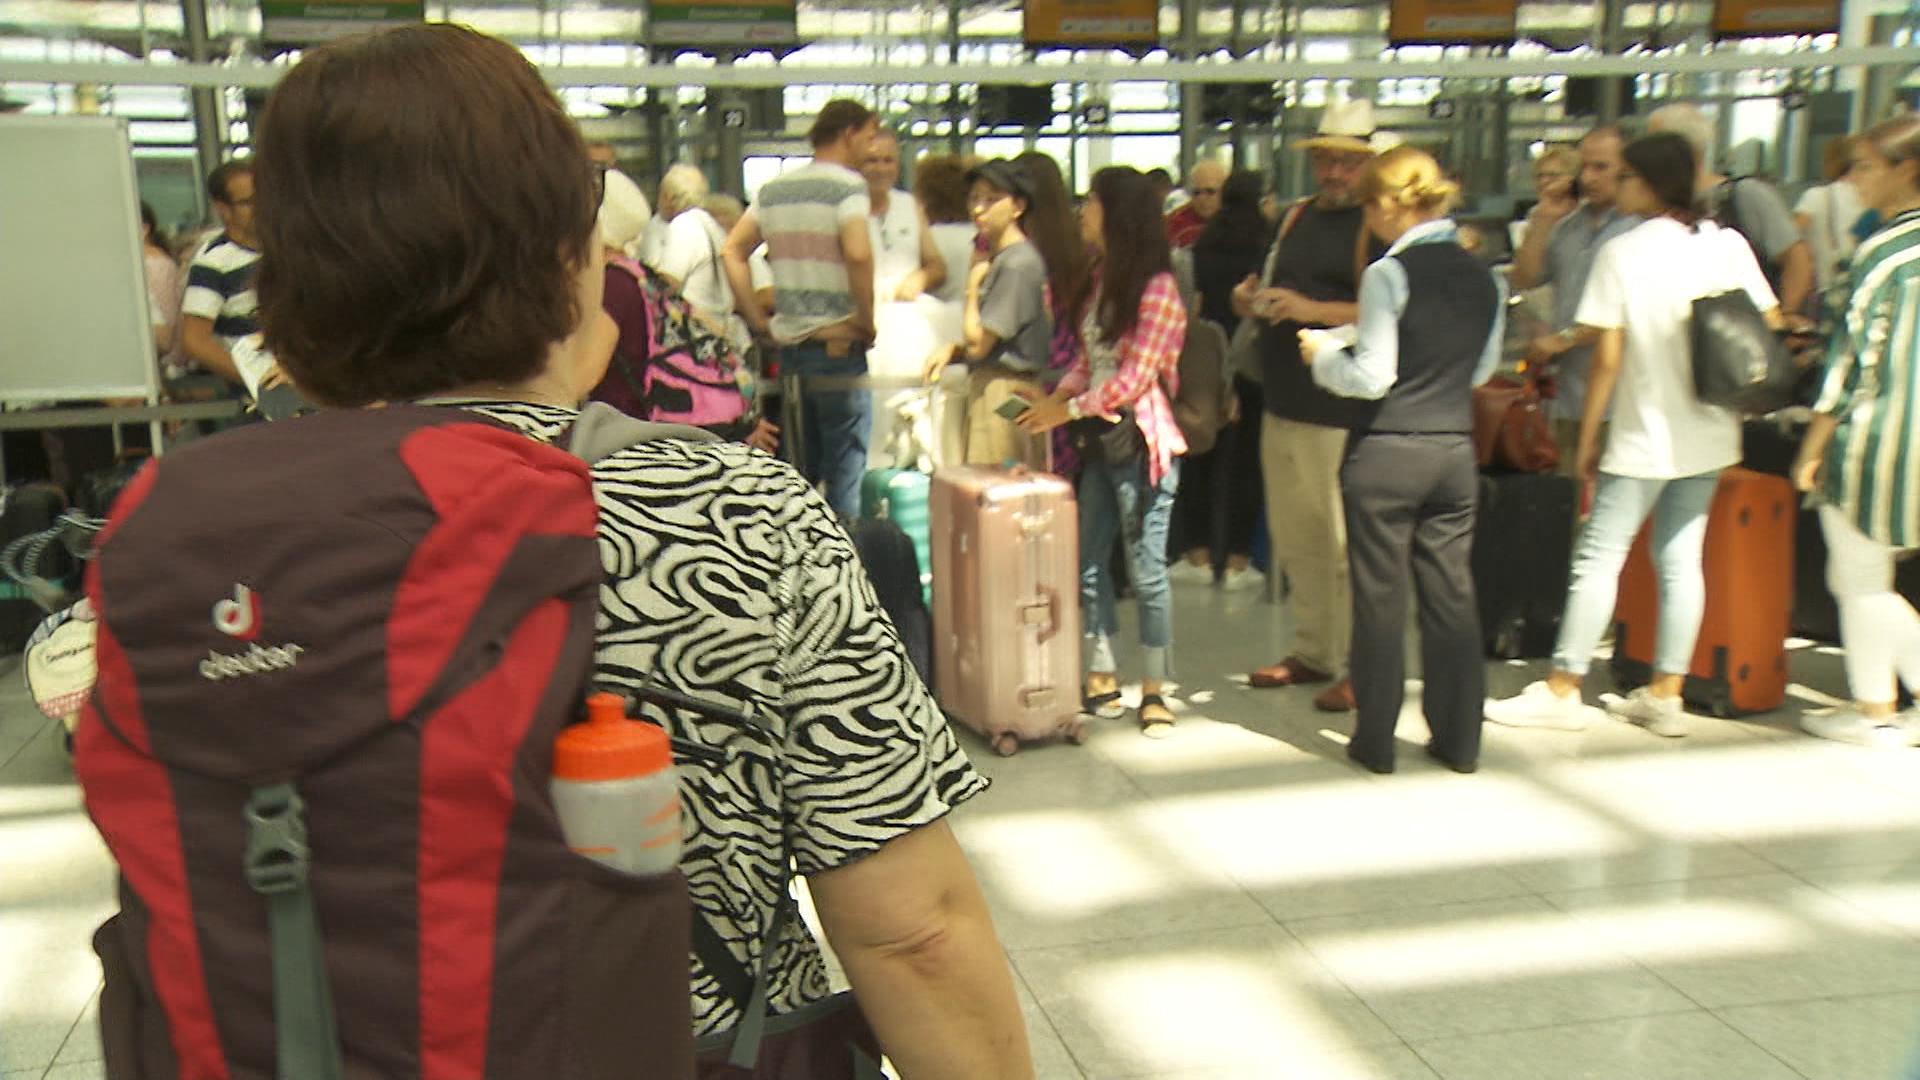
1564, 234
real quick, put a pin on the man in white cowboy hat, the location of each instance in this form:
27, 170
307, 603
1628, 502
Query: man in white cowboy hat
1312, 279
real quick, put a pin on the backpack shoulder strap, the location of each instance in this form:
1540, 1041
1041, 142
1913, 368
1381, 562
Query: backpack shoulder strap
1293, 214
602, 430
1287, 222
306, 1038
1723, 203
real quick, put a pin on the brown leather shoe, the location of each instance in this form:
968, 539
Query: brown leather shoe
1336, 698
1292, 671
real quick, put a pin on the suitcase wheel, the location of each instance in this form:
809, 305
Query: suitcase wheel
1077, 733
1006, 744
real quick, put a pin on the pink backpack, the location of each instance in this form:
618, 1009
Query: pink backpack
690, 374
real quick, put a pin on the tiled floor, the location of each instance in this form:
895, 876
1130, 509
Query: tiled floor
1239, 902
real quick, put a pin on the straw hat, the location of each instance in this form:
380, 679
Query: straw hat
1348, 125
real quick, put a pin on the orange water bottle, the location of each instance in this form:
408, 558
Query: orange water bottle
614, 788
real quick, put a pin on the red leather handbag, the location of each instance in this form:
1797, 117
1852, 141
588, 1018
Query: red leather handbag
1510, 428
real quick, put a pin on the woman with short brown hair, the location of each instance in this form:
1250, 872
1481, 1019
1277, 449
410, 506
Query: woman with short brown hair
428, 232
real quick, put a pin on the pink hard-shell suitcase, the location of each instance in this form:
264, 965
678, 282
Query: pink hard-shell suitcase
1006, 604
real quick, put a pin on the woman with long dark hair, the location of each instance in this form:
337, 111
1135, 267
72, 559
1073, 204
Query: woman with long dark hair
1220, 491
1118, 394
1665, 448
1055, 229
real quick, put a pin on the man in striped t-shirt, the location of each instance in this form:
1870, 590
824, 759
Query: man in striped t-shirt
218, 308
814, 222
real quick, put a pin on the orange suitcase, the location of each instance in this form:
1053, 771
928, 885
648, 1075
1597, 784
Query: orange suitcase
1740, 662
1006, 604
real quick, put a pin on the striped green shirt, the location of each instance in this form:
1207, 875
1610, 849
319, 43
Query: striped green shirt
1872, 387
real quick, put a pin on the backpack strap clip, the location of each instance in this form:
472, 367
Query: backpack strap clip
277, 853
307, 1042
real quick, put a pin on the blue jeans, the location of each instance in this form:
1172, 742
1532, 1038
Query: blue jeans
835, 424
1117, 504
1620, 505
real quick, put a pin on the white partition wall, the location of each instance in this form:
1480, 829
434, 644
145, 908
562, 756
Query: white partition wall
73, 293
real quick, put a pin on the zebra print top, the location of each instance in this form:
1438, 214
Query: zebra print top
730, 580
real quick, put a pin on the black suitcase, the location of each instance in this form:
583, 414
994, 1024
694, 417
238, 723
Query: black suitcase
1522, 552
1769, 446
887, 554
25, 511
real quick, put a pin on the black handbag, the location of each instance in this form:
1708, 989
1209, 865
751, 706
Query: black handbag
1111, 443
1739, 363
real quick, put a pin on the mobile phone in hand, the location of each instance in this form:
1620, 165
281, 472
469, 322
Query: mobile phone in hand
1013, 408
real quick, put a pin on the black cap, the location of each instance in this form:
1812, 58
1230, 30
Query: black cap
1010, 177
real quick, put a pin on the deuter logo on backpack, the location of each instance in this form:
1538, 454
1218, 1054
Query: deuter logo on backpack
239, 618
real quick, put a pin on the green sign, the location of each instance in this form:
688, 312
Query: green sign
304, 22
721, 22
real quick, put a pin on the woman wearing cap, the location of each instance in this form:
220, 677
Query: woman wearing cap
1119, 390
1007, 324
1431, 320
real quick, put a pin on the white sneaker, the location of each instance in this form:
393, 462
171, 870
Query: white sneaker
1666, 717
1848, 725
1539, 707
1243, 579
1183, 572
1909, 722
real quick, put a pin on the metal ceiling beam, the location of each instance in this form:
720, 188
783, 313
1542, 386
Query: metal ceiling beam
256, 75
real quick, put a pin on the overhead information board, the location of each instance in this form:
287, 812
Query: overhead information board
1747, 18
743, 23
305, 22
1091, 23
1415, 22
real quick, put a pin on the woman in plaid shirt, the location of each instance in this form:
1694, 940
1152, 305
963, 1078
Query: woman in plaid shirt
1118, 397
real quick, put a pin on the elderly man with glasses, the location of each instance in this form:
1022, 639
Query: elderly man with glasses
1185, 225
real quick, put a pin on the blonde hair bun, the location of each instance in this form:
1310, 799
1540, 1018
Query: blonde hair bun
1409, 177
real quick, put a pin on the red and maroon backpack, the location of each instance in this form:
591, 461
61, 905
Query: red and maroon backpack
334, 655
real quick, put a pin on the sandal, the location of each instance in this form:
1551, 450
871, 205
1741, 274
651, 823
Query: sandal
1158, 726
1104, 704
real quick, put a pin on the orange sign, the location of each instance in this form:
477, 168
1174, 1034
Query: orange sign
1091, 23
1745, 18
1446, 21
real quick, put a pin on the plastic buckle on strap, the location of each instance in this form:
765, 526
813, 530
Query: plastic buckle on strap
277, 852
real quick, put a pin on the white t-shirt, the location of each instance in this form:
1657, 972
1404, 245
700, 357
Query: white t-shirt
691, 256
652, 243
896, 244
1831, 209
760, 269
1645, 281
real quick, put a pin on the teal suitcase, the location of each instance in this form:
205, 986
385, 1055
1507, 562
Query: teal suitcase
901, 496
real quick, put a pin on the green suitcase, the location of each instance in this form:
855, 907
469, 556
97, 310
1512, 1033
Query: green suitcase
900, 496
